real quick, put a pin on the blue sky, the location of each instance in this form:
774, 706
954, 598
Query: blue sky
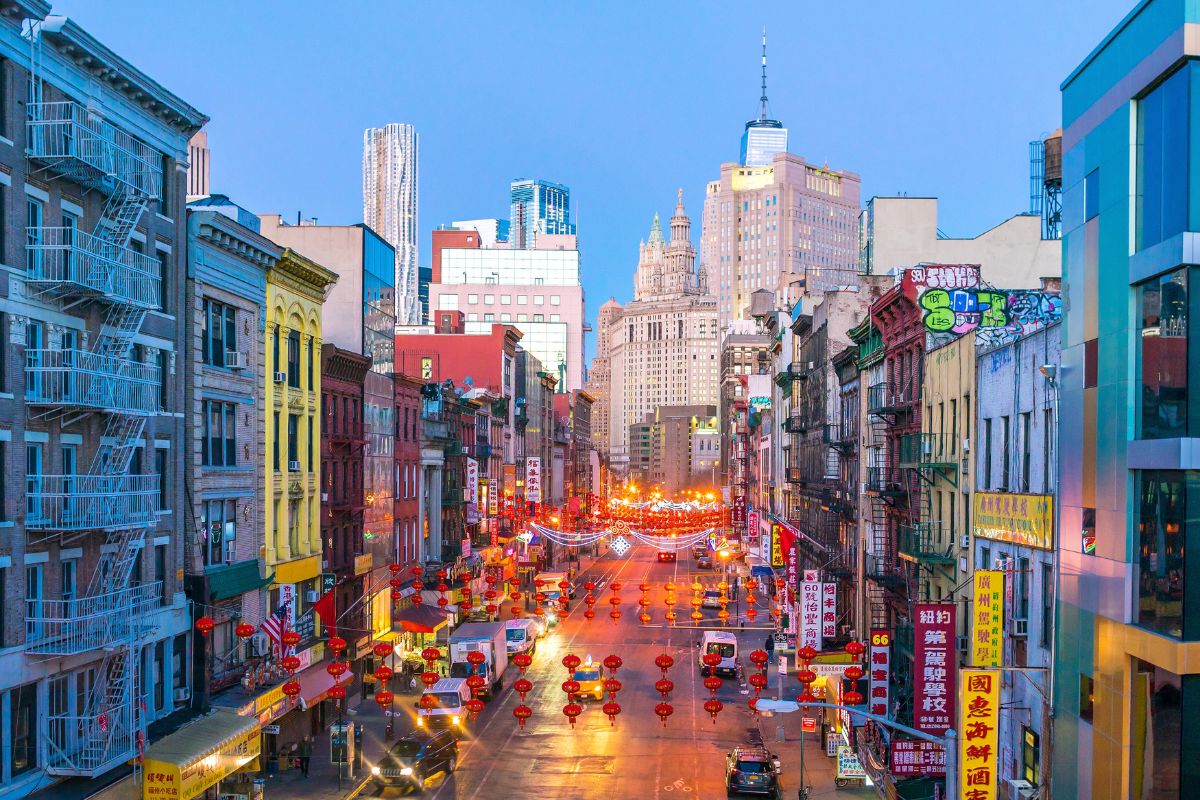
622, 101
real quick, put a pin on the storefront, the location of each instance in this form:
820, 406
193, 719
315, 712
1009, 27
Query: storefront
421, 626
215, 755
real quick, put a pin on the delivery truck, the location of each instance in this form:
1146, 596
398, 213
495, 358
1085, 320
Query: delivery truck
488, 638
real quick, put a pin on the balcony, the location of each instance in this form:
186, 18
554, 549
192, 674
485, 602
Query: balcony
66, 262
889, 397
927, 450
85, 380
883, 570
796, 422
922, 543
90, 502
795, 475
68, 627
435, 428
79, 145
882, 481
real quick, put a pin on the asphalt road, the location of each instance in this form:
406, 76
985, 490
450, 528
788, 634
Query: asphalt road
637, 757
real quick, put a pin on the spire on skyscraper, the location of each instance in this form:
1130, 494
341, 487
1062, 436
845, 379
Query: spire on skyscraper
763, 112
656, 230
763, 137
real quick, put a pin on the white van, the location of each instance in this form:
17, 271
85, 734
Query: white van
520, 636
723, 644
449, 709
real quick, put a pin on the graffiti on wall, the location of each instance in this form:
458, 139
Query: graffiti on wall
1018, 311
917, 280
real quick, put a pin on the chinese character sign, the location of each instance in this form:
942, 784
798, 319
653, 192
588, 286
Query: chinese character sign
978, 737
913, 757
829, 610
752, 525
879, 672
1024, 519
472, 481
533, 480
776, 544
935, 665
987, 618
810, 614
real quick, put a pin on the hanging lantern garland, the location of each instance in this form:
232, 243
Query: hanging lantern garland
589, 600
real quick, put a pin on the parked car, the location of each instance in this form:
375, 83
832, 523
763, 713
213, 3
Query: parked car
666, 555
416, 757
704, 562
711, 599
751, 769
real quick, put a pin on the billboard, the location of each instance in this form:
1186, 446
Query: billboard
879, 672
987, 620
1021, 519
978, 755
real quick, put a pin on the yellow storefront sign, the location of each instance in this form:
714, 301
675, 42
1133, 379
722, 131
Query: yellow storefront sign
776, 545
987, 619
381, 613
298, 571
184, 764
1024, 519
979, 741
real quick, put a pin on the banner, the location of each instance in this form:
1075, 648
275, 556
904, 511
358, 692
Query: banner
829, 610
880, 673
917, 758
847, 763
752, 525
934, 667
978, 756
987, 622
472, 482
810, 612
1021, 519
776, 544
533, 479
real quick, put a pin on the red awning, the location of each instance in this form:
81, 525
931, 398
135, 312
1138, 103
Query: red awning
419, 619
315, 684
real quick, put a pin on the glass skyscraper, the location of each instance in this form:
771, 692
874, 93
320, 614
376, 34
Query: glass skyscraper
536, 207
762, 139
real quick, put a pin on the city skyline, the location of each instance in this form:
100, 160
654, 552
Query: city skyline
469, 159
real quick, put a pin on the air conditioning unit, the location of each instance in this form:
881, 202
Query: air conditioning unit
235, 359
926, 447
324, 497
182, 694
311, 596
1019, 628
966, 444
1017, 789
293, 466
962, 643
280, 377
260, 645
964, 540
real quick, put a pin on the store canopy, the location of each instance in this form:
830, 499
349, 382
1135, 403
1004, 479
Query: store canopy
315, 683
197, 756
231, 580
420, 619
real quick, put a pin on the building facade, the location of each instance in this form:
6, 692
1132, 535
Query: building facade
538, 208
1126, 629
407, 514
390, 181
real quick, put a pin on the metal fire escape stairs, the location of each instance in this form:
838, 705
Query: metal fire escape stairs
928, 460
69, 268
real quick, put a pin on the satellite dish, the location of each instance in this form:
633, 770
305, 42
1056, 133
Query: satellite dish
469, 381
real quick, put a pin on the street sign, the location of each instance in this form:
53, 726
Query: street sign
783, 661
270, 729
808, 724
847, 763
328, 581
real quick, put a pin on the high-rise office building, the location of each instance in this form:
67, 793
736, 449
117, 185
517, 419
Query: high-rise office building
490, 230
538, 207
390, 205
764, 137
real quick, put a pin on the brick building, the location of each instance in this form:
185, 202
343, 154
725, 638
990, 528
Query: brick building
406, 504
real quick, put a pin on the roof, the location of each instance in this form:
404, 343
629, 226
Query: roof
206, 735
722, 636
448, 685
1105, 42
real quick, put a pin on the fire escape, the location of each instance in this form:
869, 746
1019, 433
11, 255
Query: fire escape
925, 542
74, 269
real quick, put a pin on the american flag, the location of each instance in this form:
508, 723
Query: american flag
275, 624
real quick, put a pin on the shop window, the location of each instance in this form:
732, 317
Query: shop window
1157, 699
1087, 697
1163, 136
1163, 340
1162, 526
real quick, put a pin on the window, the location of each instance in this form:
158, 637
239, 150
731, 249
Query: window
1023, 576
538, 299
33, 601
160, 657
1091, 195
506, 299
539, 317
522, 318
309, 443
23, 731
219, 332
986, 454
33, 480
219, 446
1164, 337
69, 586
1164, 740
1047, 604
489, 299
218, 534
522, 299
448, 302
471, 298
506, 317
985, 558
1162, 160
3, 499
275, 443
1026, 435
34, 342
1048, 449
554, 318
34, 254
489, 317
1163, 526
293, 359
1006, 454
293, 443
179, 662
164, 191
312, 374
164, 284
554, 299
1031, 756
160, 468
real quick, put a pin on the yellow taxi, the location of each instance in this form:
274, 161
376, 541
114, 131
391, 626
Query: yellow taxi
591, 680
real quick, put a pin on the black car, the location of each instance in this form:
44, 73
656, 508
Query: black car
752, 770
415, 758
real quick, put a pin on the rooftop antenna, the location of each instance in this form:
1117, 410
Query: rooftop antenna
762, 111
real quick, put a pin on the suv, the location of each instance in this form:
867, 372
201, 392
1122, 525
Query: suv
415, 758
753, 770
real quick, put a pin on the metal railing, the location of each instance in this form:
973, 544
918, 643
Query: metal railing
926, 449
82, 146
91, 380
890, 396
922, 542
89, 743
90, 502
69, 261
67, 627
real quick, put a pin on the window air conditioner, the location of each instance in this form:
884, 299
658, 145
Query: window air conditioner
293, 466
311, 596
324, 497
962, 644
280, 377
235, 359
966, 444
964, 540
182, 694
260, 645
1019, 628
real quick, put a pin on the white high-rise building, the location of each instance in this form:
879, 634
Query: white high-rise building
390, 205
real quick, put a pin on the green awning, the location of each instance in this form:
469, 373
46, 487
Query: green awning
231, 580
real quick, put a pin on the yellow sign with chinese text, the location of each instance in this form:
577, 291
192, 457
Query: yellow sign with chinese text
187, 777
987, 618
979, 737
1024, 519
776, 545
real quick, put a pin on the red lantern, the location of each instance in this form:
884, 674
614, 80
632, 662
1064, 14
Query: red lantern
394, 568
465, 604
514, 596
491, 609
713, 707
564, 586
713, 683
522, 686
806, 654
336, 644
290, 663
664, 686
806, 676
416, 599
611, 710
474, 706
571, 711
383, 673
396, 583
418, 572
589, 586
711, 660
382, 650
571, 687
806, 697
751, 613
475, 658
443, 588
427, 701
442, 602
431, 654
522, 661
244, 631
758, 682
338, 692
523, 713
571, 662
853, 698
396, 596
855, 648
612, 686
616, 587
384, 699
753, 704
514, 581
615, 614
644, 587
515, 611
664, 710
589, 601
589, 614
613, 663
854, 672
291, 688
759, 658
336, 668
429, 678
476, 683
664, 662
205, 625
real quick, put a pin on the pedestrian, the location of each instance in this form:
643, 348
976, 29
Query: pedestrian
304, 752
770, 645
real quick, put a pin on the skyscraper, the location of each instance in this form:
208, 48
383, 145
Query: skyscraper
390, 205
764, 137
538, 207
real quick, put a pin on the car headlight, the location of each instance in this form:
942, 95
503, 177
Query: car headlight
374, 770
406, 771
454, 719
420, 721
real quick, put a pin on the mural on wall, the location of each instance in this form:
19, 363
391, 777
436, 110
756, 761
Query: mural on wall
954, 301
917, 280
